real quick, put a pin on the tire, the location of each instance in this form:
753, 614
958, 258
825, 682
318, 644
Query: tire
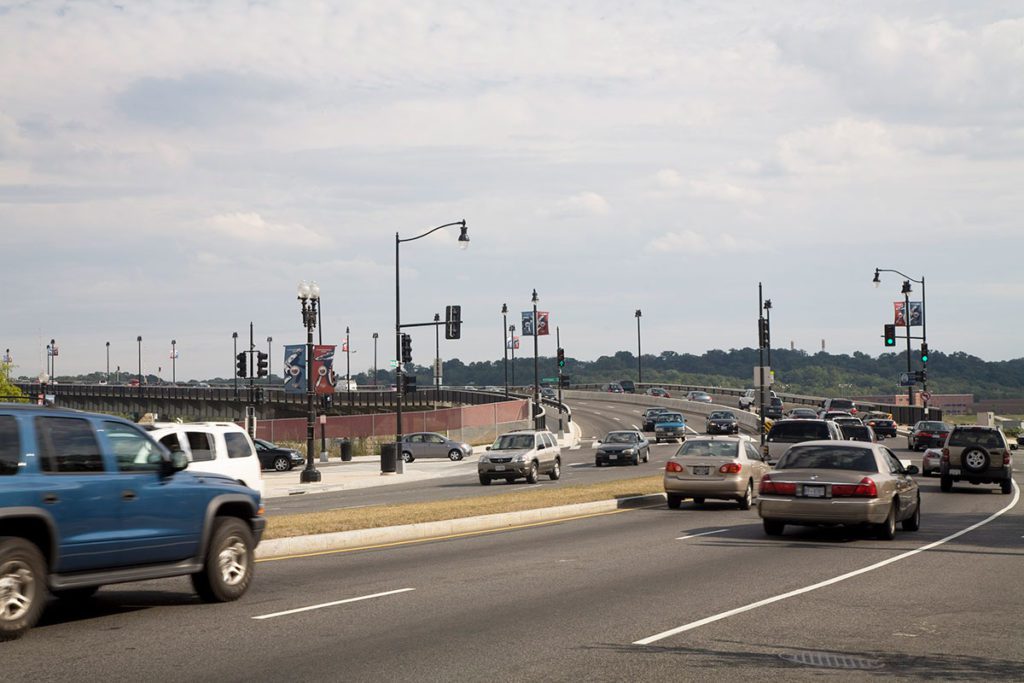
556, 470
229, 564
913, 523
485, 481
23, 574
698, 501
773, 527
910, 445
75, 594
454, 454
886, 531
636, 460
748, 497
282, 464
531, 475
1006, 486
675, 501
945, 483
597, 463
407, 456
975, 460
647, 455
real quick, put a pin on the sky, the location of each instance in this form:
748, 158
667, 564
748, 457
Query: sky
172, 170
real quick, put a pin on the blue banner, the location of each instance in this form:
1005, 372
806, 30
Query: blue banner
295, 368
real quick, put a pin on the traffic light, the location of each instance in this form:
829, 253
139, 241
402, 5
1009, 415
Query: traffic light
921, 375
561, 358
890, 335
924, 353
406, 348
240, 365
762, 333
408, 384
261, 364
453, 322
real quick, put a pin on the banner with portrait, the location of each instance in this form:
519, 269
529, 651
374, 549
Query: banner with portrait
542, 323
323, 368
916, 314
527, 327
295, 368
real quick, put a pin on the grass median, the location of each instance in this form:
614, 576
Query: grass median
376, 516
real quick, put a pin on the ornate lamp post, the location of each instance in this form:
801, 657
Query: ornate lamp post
505, 342
309, 297
536, 368
108, 362
139, 340
639, 366
512, 344
375, 336
174, 362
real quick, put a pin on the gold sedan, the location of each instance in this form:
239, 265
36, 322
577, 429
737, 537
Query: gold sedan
840, 482
728, 467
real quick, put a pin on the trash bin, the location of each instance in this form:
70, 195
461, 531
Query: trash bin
345, 446
388, 458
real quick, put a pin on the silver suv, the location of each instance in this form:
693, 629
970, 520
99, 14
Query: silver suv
980, 455
523, 454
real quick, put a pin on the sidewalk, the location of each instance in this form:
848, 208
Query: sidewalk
364, 472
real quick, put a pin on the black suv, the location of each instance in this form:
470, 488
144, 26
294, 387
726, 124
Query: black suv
980, 455
88, 500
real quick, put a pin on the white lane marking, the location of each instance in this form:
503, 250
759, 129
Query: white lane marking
635, 427
332, 604
617, 419
596, 413
705, 533
828, 582
692, 429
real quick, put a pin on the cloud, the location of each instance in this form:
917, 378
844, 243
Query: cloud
253, 228
690, 241
584, 204
670, 182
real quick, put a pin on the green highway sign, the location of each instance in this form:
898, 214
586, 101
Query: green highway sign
548, 379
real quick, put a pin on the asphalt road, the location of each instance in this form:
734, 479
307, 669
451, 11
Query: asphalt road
594, 599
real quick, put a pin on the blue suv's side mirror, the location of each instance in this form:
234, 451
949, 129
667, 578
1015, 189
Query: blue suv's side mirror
176, 463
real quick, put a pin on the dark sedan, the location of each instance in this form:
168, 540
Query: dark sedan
649, 416
622, 448
722, 422
928, 434
274, 457
883, 427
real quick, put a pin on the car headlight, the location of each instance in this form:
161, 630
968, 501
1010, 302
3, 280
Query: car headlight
466, 447
629, 451
521, 457
483, 458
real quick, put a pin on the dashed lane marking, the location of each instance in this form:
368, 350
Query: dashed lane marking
704, 533
333, 604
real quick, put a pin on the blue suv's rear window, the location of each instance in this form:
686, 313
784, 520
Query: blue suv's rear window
10, 445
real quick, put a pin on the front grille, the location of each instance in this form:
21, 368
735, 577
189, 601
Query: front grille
501, 460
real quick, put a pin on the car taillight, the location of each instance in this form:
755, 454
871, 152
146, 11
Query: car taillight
1006, 458
924, 434
865, 489
730, 468
673, 466
945, 455
780, 488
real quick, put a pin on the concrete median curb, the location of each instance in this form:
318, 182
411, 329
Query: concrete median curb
366, 538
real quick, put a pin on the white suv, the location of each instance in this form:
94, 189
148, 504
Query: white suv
217, 447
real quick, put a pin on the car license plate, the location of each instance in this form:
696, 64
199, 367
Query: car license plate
954, 473
701, 469
814, 491
499, 468
613, 457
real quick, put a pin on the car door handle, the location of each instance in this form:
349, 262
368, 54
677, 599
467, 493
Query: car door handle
50, 498
128, 495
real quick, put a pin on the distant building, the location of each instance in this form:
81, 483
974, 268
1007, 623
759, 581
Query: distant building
950, 404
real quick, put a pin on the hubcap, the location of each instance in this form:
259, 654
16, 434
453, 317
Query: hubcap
17, 589
280, 465
975, 460
233, 561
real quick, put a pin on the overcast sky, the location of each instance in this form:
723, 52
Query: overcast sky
172, 170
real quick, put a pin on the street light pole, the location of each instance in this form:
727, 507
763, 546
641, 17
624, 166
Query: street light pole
536, 368
639, 367
399, 370
139, 340
53, 360
906, 321
348, 367
174, 362
309, 297
108, 362
437, 355
512, 345
768, 328
760, 359
234, 373
505, 342
375, 335
270, 358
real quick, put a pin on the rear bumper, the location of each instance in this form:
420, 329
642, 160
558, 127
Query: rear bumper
793, 510
988, 477
732, 487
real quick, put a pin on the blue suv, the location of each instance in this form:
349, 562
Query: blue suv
88, 500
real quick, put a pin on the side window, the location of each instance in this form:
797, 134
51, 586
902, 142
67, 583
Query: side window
67, 445
10, 445
752, 452
416, 438
895, 467
434, 438
201, 446
238, 445
548, 441
134, 452
172, 442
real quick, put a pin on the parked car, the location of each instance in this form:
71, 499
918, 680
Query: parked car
649, 415
884, 427
218, 447
658, 391
274, 457
980, 455
699, 397
612, 388
622, 447
931, 461
92, 499
521, 454
857, 432
840, 482
722, 422
669, 426
802, 414
627, 386
785, 433
728, 467
928, 433
433, 445
845, 405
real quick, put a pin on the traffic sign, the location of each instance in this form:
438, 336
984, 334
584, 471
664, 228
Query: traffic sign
926, 396
907, 379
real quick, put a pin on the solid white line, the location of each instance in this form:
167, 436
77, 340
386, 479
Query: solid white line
828, 582
635, 427
332, 604
706, 533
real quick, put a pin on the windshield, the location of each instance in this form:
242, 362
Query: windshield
722, 415
621, 437
669, 417
513, 442
840, 404
937, 426
721, 449
798, 430
828, 458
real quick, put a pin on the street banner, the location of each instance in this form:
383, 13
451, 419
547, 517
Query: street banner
323, 368
344, 346
173, 355
8, 358
52, 350
295, 368
899, 319
512, 342
527, 327
916, 314
542, 323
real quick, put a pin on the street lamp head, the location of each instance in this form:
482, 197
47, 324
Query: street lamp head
375, 335
906, 287
767, 304
139, 338
877, 281
437, 317
464, 237
108, 345
314, 290
535, 299
512, 329
234, 335
173, 342
638, 313
270, 340
504, 309
303, 290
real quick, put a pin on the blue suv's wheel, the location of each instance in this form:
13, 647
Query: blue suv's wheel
228, 568
22, 586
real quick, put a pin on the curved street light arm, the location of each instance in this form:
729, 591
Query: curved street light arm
461, 223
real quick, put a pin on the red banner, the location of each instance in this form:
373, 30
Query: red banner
323, 368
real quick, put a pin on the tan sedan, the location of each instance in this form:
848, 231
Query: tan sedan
840, 482
728, 467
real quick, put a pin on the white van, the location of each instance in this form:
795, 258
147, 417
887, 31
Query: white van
218, 447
